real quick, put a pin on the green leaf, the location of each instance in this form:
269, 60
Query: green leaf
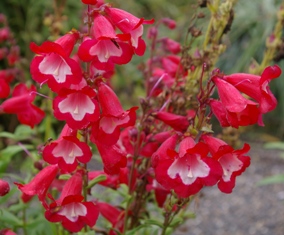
10, 151
23, 132
40, 226
134, 230
169, 231
176, 221
64, 177
8, 135
7, 153
274, 145
154, 222
13, 176
17, 207
86, 233
96, 180
9, 218
275, 179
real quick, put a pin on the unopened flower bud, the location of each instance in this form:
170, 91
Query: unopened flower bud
171, 24
4, 188
152, 32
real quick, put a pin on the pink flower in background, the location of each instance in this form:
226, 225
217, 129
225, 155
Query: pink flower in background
7, 232
21, 104
4, 188
4, 88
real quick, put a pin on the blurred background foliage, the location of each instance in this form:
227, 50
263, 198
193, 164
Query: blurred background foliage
31, 20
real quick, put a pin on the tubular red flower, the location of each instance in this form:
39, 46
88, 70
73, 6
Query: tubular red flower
40, 183
187, 171
67, 151
257, 86
129, 24
177, 122
21, 104
112, 156
53, 65
113, 117
69, 208
77, 107
114, 215
233, 162
233, 109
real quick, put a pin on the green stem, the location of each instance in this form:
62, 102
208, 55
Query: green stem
24, 221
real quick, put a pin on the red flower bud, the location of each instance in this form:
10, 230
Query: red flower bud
4, 188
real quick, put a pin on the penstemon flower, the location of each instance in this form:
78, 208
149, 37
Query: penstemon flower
67, 151
53, 65
70, 209
233, 162
21, 104
187, 170
156, 158
78, 108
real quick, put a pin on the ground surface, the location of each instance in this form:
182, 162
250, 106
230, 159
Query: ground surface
250, 209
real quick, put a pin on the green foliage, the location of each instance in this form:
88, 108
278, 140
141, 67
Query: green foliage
275, 179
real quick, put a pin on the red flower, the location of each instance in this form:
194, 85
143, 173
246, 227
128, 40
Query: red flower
4, 88
171, 45
113, 117
233, 109
106, 45
40, 183
114, 215
7, 232
171, 24
187, 171
21, 104
77, 107
249, 116
112, 156
232, 161
4, 188
129, 24
160, 192
69, 208
177, 122
91, 2
257, 86
53, 65
67, 151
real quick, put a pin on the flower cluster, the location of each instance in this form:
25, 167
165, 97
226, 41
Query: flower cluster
86, 103
167, 149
